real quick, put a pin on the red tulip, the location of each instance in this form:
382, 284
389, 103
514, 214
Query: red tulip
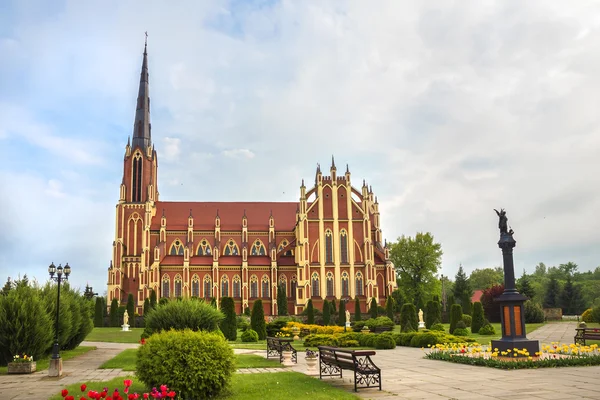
82, 398
127, 382
64, 393
146, 395
69, 398
83, 387
163, 388
171, 394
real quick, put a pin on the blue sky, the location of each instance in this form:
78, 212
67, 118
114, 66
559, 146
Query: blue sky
448, 110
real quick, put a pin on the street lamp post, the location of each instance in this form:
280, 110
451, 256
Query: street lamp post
61, 274
89, 292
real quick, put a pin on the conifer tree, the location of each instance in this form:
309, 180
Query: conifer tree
524, 286
408, 318
310, 313
478, 318
357, 316
430, 314
99, 313
153, 300
462, 290
342, 314
389, 307
247, 311
281, 300
456, 314
373, 308
257, 320
146, 306
131, 309
551, 300
572, 299
326, 313
333, 307
229, 323
213, 302
7, 287
114, 313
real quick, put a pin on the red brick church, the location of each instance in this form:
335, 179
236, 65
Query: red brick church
326, 245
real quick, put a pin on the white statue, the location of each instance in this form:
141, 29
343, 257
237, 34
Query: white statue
126, 318
420, 315
347, 316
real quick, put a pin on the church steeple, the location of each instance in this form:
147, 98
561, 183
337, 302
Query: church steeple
141, 126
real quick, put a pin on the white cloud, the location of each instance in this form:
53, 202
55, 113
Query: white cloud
171, 148
239, 153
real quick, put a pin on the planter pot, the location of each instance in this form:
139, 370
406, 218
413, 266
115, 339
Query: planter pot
21, 367
287, 358
311, 365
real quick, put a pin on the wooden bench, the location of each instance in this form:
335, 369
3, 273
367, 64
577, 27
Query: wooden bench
333, 360
380, 329
276, 347
586, 333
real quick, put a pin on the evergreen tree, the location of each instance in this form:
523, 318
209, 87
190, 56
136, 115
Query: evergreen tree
247, 311
310, 313
373, 308
572, 299
398, 300
333, 312
229, 323
281, 300
389, 307
409, 320
478, 318
326, 313
131, 309
213, 302
342, 314
114, 313
552, 298
146, 306
524, 286
152, 299
333, 308
455, 316
99, 313
257, 320
7, 287
430, 314
462, 290
357, 316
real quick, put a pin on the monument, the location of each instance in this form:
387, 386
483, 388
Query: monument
347, 319
125, 325
421, 322
511, 301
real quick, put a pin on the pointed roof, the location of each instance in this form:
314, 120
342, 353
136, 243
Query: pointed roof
141, 125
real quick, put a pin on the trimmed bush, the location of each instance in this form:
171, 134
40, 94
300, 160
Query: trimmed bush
99, 313
201, 367
257, 320
487, 329
83, 309
478, 318
229, 323
146, 309
467, 319
409, 320
281, 300
357, 316
455, 316
310, 312
342, 313
438, 327
389, 308
534, 313
384, 341
326, 313
587, 315
114, 312
321, 340
131, 309
243, 322
152, 299
275, 326
180, 315
373, 308
249, 335
247, 311
595, 317
430, 314
25, 326
461, 332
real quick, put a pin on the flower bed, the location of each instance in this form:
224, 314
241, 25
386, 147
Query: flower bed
22, 365
553, 355
162, 393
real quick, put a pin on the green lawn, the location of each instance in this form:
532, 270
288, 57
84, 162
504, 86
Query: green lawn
65, 355
124, 360
115, 335
281, 385
255, 361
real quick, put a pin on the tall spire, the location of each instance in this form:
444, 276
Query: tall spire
141, 126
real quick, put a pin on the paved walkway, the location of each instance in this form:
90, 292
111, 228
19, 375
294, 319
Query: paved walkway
406, 375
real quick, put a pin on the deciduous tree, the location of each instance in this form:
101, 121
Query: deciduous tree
486, 277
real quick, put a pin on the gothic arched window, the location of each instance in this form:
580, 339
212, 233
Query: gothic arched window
231, 248
136, 193
328, 246
258, 249
204, 248
344, 246
359, 284
315, 284
330, 284
237, 293
224, 286
207, 287
176, 248
166, 286
345, 284
266, 291
195, 286
177, 281
253, 286
293, 286
282, 282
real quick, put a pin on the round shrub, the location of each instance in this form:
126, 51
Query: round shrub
587, 316
404, 339
194, 364
467, 319
180, 315
461, 325
487, 329
438, 327
534, 313
249, 335
461, 332
321, 340
595, 317
384, 341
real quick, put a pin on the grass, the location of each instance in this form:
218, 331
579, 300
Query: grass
115, 335
281, 385
254, 361
43, 364
124, 360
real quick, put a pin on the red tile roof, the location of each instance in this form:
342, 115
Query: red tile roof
286, 260
172, 260
230, 213
476, 296
230, 260
201, 260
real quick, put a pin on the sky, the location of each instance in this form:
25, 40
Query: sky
448, 109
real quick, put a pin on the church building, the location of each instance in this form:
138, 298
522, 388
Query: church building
326, 245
